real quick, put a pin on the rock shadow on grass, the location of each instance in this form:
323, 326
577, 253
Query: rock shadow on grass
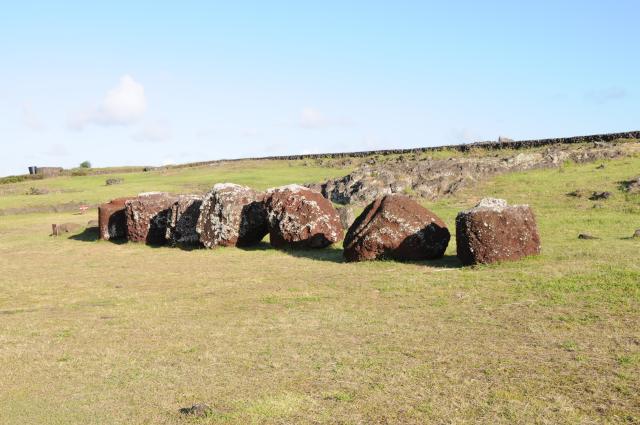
92, 234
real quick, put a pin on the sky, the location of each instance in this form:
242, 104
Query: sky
159, 82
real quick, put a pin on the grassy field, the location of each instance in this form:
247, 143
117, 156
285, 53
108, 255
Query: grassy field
101, 333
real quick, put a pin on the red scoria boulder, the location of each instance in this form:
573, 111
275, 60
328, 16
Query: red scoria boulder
147, 217
396, 227
112, 223
494, 231
301, 218
182, 219
232, 215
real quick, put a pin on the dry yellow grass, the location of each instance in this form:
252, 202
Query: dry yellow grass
100, 333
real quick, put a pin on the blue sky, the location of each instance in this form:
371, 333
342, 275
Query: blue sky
152, 83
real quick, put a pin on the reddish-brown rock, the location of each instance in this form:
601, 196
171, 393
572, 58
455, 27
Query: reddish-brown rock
182, 220
112, 223
232, 215
147, 217
301, 218
396, 227
494, 231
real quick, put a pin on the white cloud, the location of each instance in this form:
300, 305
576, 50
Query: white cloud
30, 119
125, 104
313, 118
154, 132
605, 95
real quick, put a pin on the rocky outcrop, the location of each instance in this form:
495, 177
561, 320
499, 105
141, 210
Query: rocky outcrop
301, 218
494, 231
112, 223
433, 178
396, 227
182, 220
147, 216
232, 215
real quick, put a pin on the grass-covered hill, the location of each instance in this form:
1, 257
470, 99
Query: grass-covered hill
95, 332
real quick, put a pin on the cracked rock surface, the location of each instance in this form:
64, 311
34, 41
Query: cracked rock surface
495, 231
301, 218
396, 227
232, 215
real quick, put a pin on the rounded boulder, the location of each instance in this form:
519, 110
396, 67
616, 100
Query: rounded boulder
396, 227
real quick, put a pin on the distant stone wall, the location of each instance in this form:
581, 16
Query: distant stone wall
46, 171
522, 144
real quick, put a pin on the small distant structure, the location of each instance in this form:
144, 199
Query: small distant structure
45, 171
502, 139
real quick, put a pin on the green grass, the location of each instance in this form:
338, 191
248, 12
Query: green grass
92, 189
99, 333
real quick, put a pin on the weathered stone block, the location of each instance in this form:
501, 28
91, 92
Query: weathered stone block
301, 218
147, 217
112, 222
232, 215
494, 231
182, 221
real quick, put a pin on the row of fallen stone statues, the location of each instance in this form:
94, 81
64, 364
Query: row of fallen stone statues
391, 227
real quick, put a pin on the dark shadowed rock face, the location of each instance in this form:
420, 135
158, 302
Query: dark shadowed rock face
494, 231
147, 217
112, 223
232, 215
182, 221
396, 227
301, 218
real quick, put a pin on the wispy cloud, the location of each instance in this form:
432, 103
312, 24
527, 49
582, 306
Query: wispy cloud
153, 132
605, 95
311, 118
125, 104
30, 119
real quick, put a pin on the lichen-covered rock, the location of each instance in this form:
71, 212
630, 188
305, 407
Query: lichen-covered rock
182, 220
301, 218
112, 223
232, 215
396, 227
147, 216
494, 231
347, 217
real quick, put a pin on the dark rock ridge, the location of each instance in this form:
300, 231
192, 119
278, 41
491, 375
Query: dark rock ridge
301, 218
494, 231
182, 219
112, 223
147, 217
232, 215
396, 227
487, 145
434, 178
